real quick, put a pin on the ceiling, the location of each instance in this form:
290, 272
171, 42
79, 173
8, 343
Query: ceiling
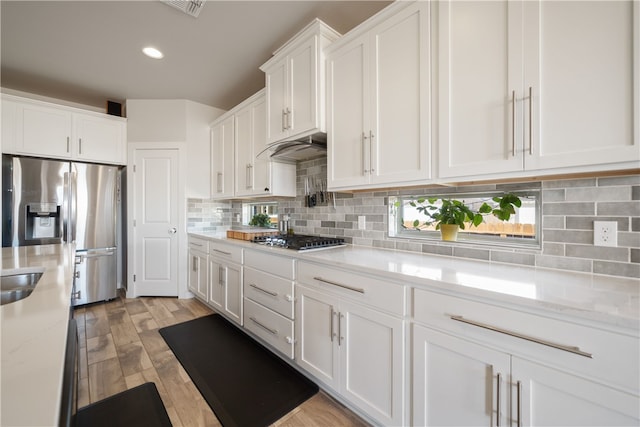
89, 52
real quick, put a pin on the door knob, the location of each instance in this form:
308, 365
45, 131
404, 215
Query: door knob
173, 230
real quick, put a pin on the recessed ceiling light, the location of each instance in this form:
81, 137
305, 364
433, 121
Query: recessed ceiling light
152, 52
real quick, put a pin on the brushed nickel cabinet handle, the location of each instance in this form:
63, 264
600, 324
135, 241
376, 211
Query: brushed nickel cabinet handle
498, 379
331, 333
351, 288
258, 288
194, 264
570, 349
266, 328
80, 146
513, 123
340, 336
219, 183
364, 165
222, 252
530, 121
519, 403
67, 144
284, 118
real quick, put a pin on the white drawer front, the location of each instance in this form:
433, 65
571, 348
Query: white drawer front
227, 252
388, 296
274, 264
273, 292
614, 356
273, 328
199, 244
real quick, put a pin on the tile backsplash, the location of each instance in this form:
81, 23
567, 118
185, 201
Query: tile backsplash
569, 208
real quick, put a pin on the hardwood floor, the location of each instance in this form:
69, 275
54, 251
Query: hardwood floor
120, 348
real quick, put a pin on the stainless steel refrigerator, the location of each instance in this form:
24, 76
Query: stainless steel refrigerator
53, 201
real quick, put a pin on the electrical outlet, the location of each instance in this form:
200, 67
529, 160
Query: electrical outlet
605, 233
362, 222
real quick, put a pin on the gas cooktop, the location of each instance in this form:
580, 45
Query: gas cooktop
299, 242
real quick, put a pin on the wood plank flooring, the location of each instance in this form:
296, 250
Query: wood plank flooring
120, 348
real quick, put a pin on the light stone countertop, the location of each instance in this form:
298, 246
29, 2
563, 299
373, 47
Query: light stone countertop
595, 299
34, 336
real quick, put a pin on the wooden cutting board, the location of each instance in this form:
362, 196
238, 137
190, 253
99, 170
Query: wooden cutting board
251, 233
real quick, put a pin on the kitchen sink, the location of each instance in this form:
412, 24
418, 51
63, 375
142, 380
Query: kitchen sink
16, 286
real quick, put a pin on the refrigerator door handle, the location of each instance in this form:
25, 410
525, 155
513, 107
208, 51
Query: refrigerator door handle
66, 193
93, 253
73, 184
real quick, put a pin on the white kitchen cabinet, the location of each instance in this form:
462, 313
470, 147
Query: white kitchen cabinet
458, 382
269, 299
551, 372
198, 267
100, 139
355, 350
239, 169
222, 157
543, 96
295, 84
48, 130
378, 97
225, 280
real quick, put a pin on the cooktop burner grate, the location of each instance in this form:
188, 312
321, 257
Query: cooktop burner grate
299, 242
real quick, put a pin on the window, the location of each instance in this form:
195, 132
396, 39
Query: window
407, 220
249, 210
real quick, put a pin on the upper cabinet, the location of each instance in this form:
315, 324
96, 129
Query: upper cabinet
542, 87
43, 129
222, 143
295, 87
378, 97
238, 169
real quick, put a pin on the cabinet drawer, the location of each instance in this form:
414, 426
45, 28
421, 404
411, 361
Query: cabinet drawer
273, 292
388, 296
273, 328
199, 244
226, 252
274, 264
613, 356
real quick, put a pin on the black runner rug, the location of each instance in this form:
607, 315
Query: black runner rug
244, 383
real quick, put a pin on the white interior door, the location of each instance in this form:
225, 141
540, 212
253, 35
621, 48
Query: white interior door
155, 222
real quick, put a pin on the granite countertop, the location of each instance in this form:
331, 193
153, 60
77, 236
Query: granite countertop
34, 336
599, 299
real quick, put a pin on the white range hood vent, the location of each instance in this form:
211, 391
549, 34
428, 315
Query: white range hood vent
190, 7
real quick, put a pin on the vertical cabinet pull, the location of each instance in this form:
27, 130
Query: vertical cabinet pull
364, 163
288, 118
67, 144
80, 146
331, 333
371, 169
221, 276
340, 336
519, 403
194, 264
530, 121
513, 123
499, 380
219, 182
284, 118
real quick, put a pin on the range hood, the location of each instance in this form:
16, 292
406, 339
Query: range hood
304, 148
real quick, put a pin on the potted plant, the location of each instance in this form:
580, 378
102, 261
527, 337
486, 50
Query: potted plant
450, 215
261, 220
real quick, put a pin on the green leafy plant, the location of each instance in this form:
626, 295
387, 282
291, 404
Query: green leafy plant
260, 220
451, 211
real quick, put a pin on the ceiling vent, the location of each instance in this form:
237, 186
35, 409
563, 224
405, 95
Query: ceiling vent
190, 7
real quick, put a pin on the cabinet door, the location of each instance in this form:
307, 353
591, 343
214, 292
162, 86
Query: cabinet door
316, 335
456, 382
99, 139
400, 131
216, 284
544, 396
303, 88
348, 129
372, 362
261, 171
276, 83
584, 82
198, 274
480, 74
232, 277
244, 152
45, 132
222, 159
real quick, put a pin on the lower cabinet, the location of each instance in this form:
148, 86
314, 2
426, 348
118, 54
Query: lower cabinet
225, 281
198, 267
492, 366
355, 350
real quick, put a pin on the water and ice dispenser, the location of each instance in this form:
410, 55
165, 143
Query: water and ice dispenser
43, 221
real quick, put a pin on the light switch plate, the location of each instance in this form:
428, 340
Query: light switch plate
362, 222
605, 233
